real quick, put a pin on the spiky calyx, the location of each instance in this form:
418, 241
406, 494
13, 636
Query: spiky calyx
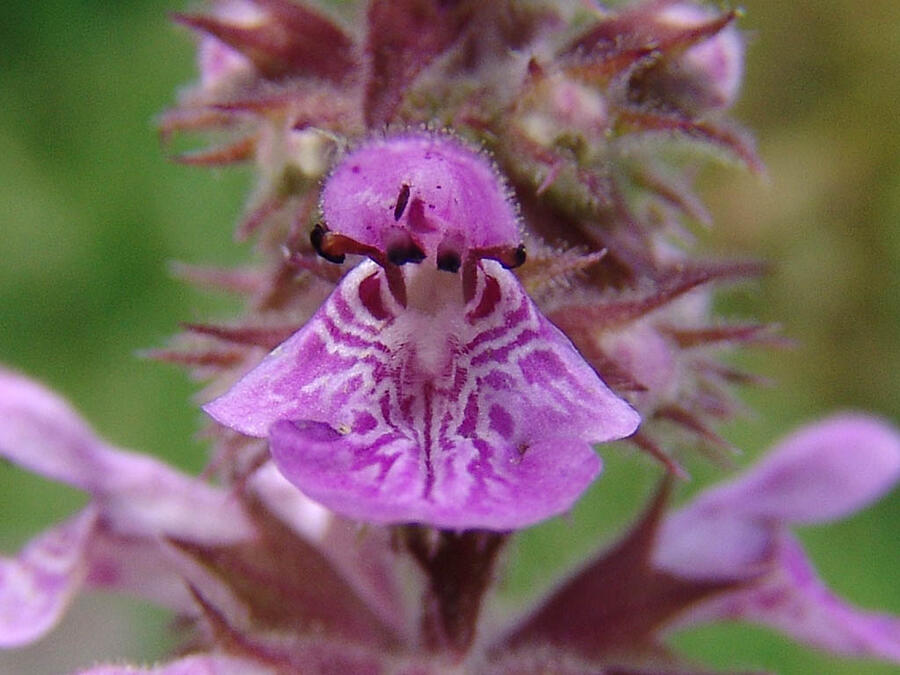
597, 119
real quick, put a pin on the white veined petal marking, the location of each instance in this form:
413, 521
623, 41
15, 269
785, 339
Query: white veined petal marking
429, 412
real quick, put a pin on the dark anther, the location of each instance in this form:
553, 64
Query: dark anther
517, 258
449, 261
318, 238
402, 201
400, 255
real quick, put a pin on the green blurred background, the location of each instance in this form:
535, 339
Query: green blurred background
91, 215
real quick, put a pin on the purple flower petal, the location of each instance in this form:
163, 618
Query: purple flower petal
511, 492
138, 495
739, 531
40, 432
145, 568
819, 473
477, 414
37, 586
822, 472
425, 189
147, 498
119, 542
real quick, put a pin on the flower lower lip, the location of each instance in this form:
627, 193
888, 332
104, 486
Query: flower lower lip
437, 396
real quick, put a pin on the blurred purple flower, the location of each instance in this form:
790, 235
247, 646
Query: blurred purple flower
739, 532
707, 76
190, 665
121, 539
729, 555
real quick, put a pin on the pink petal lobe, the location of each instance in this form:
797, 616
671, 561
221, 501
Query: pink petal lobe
37, 586
511, 493
822, 472
477, 414
740, 531
147, 498
139, 495
42, 433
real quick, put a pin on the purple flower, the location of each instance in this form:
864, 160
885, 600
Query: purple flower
191, 665
415, 197
121, 540
221, 67
709, 73
739, 532
729, 555
434, 392
691, 58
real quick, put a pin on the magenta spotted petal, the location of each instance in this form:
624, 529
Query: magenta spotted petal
477, 414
